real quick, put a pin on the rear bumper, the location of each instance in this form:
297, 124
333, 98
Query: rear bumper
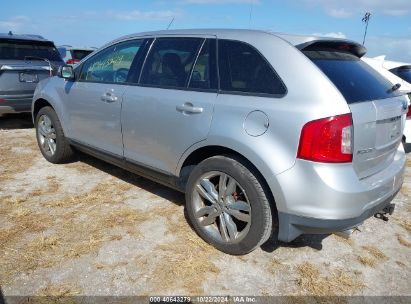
324, 198
15, 104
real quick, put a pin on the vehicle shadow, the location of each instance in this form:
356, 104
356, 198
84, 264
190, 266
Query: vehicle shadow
16, 121
134, 179
307, 240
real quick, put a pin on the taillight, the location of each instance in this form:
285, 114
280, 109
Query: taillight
327, 140
409, 113
72, 61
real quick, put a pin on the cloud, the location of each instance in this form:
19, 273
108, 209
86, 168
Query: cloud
221, 1
14, 24
396, 48
347, 8
143, 15
331, 35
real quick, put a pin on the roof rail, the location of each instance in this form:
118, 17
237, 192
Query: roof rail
33, 36
65, 45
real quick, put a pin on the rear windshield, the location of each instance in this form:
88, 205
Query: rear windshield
355, 79
79, 54
403, 73
11, 49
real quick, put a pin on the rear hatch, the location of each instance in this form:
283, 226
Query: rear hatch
378, 109
23, 63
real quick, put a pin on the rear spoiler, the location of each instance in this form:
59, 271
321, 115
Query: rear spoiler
351, 47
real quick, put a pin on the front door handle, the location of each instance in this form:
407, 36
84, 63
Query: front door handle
109, 96
189, 108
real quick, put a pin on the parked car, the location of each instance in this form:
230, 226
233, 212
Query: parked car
396, 73
73, 55
267, 134
24, 61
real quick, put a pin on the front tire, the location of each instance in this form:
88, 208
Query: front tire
228, 206
50, 137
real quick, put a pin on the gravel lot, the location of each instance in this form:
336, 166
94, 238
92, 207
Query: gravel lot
89, 228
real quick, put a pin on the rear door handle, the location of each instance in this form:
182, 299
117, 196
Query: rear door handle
189, 108
109, 96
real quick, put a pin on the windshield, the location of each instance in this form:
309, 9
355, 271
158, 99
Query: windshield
11, 49
79, 54
354, 78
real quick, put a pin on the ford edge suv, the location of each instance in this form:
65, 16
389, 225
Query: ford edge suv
267, 134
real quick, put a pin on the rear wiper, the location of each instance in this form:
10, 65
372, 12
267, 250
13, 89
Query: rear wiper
394, 88
51, 66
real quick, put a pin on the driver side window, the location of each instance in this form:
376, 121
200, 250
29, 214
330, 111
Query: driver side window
111, 65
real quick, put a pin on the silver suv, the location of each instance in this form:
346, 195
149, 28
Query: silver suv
267, 134
24, 61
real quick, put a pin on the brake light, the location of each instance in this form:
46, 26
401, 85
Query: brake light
327, 140
409, 112
72, 61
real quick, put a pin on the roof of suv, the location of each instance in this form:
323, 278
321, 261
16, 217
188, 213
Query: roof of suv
292, 38
23, 37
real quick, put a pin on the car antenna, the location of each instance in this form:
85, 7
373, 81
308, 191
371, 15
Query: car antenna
10, 33
171, 22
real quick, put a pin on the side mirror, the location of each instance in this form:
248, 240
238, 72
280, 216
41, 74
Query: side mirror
66, 72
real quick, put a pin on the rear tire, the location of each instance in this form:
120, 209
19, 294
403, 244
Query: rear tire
50, 137
228, 206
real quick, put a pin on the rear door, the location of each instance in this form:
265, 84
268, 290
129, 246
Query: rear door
378, 110
171, 108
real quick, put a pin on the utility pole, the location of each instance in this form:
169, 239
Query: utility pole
366, 19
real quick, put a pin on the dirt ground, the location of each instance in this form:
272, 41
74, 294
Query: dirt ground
89, 228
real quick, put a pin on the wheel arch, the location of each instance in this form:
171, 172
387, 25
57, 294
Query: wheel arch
204, 152
38, 104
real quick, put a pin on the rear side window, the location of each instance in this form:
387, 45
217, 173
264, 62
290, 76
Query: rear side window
243, 69
354, 78
204, 73
13, 49
170, 62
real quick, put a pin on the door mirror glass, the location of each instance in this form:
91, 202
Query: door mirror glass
67, 72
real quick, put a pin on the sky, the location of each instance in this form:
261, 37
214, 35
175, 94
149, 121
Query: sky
96, 22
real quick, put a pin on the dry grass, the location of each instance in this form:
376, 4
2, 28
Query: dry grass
406, 224
13, 162
343, 240
375, 252
337, 283
405, 190
76, 226
59, 290
367, 261
185, 262
403, 241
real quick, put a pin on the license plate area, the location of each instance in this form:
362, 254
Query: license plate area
28, 77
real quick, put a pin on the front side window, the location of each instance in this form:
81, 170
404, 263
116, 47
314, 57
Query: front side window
111, 65
243, 69
170, 62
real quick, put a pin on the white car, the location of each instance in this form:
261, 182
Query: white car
72, 55
396, 73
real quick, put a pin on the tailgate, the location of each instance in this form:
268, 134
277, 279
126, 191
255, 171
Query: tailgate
21, 79
378, 128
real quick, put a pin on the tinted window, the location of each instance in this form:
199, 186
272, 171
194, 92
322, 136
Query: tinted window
204, 74
170, 62
112, 64
19, 49
403, 73
79, 54
243, 69
354, 78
